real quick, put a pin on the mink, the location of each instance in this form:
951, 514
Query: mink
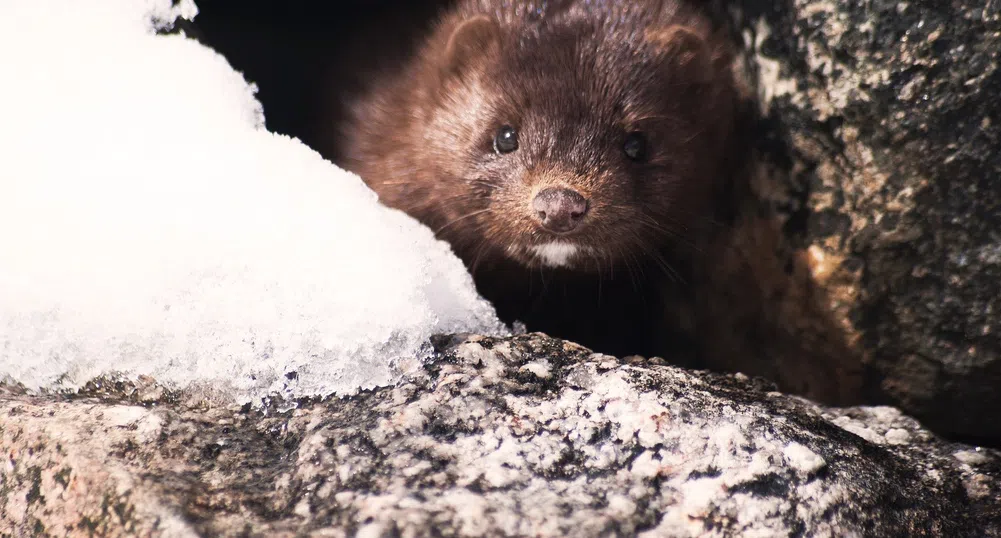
573, 153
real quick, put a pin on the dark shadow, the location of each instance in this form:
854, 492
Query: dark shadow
306, 57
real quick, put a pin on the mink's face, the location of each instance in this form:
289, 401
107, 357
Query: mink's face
578, 154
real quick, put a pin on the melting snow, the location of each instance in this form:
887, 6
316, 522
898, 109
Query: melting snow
149, 224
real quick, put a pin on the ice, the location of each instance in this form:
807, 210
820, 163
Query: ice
149, 224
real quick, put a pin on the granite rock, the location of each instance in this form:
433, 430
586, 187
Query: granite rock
494, 437
883, 127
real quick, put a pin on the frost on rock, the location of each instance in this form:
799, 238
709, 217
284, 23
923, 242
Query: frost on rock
150, 225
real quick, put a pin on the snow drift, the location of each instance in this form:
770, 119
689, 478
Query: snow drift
149, 224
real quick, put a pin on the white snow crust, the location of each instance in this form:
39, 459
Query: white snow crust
151, 225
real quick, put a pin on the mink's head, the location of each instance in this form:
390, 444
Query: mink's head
573, 143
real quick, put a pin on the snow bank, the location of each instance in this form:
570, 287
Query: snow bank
149, 224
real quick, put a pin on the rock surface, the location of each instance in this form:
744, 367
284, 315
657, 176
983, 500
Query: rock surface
495, 437
887, 120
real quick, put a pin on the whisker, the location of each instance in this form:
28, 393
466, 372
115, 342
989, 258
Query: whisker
464, 217
670, 271
478, 256
679, 237
630, 258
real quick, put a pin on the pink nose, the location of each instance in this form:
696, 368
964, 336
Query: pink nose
559, 210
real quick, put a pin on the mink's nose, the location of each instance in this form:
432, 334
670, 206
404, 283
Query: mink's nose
559, 210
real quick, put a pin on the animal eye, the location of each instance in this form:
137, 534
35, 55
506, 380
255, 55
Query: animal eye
506, 140
635, 146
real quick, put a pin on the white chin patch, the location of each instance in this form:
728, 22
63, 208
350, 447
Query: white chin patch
555, 254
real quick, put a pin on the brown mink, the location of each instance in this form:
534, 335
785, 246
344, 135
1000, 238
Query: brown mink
571, 152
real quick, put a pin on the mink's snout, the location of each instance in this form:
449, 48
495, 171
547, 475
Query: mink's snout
559, 210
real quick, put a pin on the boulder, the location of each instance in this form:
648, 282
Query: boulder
494, 437
881, 145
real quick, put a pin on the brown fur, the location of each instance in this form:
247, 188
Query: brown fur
575, 78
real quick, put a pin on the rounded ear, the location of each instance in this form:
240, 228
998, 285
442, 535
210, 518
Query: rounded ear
472, 39
684, 48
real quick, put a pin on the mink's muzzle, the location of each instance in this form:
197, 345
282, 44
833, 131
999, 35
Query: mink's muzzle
559, 210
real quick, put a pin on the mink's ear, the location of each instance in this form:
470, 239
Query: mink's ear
472, 39
685, 49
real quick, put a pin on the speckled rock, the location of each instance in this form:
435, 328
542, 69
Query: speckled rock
526, 436
885, 119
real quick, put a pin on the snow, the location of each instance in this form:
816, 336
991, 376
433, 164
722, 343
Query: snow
150, 225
